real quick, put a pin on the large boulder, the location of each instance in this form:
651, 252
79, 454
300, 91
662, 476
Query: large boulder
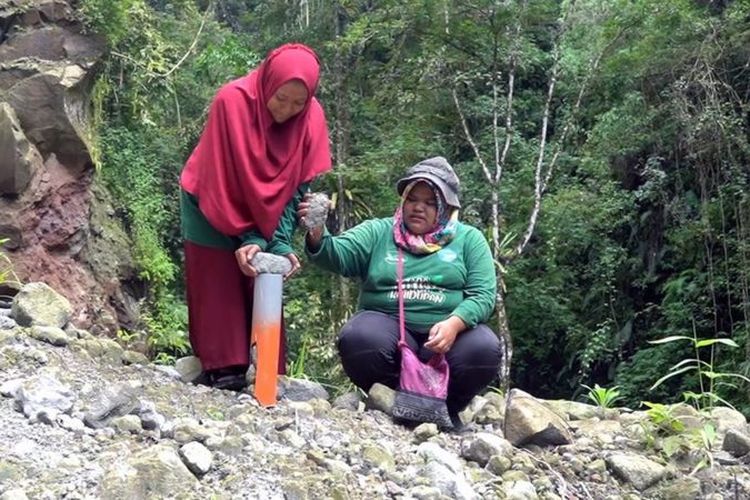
529, 421
635, 469
156, 472
38, 304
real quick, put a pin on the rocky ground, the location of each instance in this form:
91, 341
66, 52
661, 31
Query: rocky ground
81, 417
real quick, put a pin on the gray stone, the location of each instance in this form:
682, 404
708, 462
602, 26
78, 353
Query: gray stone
71, 424
127, 424
573, 410
320, 406
596, 466
378, 456
169, 371
7, 323
433, 452
483, 446
727, 418
493, 411
722, 457
268, 263
156, 472
14, 494
470, 412
348, 401
291, 438
197, 457
519, 490
692, 419
105, 349
38, 304
134, 358
298, 389
515, 475
188, 429
50, 334
683, 488
528, 421
115, 401
9, 388
635, 469
44, 394
381, 397
189, 368
301, 409
736, 443
317, 213
498, 464
336, 467
601, 432
450, 484
425, 431
150, 418
424, 492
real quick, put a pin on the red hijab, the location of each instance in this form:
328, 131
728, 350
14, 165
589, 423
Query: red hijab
246, 167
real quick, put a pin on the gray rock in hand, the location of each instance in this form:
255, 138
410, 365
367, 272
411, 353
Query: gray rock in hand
318, 211
268, 263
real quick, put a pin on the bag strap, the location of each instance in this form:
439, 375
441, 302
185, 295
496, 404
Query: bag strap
400, 287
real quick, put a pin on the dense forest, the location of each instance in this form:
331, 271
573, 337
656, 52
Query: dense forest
603, 147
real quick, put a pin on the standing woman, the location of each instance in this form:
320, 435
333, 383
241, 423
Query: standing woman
264, 141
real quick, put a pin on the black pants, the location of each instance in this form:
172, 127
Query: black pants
368, 346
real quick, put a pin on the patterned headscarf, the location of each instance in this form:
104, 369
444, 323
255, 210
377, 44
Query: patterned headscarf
438, 237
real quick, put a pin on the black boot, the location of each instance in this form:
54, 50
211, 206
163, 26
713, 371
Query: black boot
229, 379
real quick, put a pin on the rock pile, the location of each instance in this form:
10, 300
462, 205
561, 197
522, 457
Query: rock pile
81, 417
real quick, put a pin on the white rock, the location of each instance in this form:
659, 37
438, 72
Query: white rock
197, 457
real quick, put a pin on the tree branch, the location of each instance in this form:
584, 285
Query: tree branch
541, 182
470, 138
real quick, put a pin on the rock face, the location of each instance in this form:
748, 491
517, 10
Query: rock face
57, 221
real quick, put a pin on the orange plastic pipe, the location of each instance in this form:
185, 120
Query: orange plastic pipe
266, 333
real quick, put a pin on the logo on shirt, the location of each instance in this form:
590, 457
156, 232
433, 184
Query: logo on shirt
391, 257
447, 255
421, 289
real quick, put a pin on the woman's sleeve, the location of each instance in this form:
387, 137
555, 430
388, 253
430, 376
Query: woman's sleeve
253, 238
281, 243
349, 253
481, 283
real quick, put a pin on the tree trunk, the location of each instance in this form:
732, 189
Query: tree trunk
503, 332
341, 152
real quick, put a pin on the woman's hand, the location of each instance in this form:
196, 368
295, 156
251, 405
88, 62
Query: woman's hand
296, 266
443, 334
303, 208
244, 255
314, 235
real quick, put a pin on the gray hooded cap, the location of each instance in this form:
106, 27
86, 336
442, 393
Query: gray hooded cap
439, 172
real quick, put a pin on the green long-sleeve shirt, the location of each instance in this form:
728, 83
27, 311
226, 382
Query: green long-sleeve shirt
458, 280
197, 229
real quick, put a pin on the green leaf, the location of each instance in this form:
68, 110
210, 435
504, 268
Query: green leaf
684, 362
727, 375
670, 375
671, 338
707, 342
